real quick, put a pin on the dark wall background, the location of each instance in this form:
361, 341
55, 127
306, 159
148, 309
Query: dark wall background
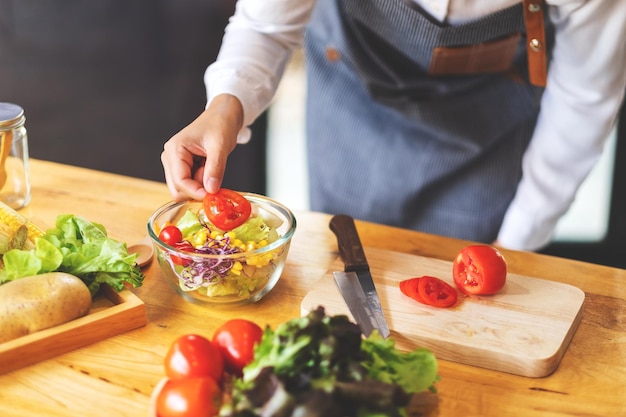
105, 83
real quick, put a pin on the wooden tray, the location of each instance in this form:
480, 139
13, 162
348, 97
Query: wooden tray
524, 330
111, 313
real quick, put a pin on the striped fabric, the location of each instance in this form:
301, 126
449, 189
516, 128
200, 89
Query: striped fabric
390, 144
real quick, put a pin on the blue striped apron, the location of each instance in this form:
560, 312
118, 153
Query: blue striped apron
391, 144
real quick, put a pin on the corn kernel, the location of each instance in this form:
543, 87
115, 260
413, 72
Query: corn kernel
236, 268
199, 238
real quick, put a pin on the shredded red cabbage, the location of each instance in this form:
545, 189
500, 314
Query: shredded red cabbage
209, 271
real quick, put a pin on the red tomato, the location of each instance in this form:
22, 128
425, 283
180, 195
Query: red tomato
171, 235
183, 246
227, 209
430, 291
236, 339
479, 269
408, 287
197, 397
437, 292
191, 356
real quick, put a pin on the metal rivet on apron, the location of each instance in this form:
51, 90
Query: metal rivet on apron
332, 54
534, 7
535, 45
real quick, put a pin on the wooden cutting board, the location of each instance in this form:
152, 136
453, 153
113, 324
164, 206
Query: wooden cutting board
523, 330
111, 313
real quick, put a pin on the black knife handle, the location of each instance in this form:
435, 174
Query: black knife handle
349, 244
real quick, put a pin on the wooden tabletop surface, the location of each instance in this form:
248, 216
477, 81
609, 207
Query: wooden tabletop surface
115, 377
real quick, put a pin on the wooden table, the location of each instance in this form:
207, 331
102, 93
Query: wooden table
115, 377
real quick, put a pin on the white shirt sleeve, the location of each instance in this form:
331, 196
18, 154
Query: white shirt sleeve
585, 87
257, 44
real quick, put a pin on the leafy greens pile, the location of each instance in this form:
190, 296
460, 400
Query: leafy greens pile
80, 248
320, 365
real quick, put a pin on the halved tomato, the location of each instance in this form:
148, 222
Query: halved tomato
479, 269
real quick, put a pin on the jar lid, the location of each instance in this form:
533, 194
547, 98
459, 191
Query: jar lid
11, 116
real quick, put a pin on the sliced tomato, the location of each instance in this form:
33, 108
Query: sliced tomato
408, 287
429, 290
479, 270
436, 292
227, 209
184, 246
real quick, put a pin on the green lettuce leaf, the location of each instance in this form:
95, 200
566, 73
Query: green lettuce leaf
414, 371
80, 248
189, 224
255, 229
320, 365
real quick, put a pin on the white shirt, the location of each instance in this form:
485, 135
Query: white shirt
585, 87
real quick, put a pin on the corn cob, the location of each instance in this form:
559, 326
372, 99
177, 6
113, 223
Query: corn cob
16, 232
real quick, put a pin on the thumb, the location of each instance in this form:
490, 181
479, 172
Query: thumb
225, 114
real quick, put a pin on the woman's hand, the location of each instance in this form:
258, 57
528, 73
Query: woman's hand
194, 159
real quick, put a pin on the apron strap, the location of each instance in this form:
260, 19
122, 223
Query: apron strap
536, 45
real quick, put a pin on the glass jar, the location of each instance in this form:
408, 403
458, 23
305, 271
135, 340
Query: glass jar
14, 169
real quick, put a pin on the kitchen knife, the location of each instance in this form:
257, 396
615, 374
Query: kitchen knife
355, 282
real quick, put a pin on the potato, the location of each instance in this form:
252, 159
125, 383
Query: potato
38, 302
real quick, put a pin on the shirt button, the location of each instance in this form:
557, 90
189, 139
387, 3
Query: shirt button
332, 54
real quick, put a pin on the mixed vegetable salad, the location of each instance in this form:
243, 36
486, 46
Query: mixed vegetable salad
320, 365
226, 228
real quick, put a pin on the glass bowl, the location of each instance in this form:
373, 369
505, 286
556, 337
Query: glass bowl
243, 272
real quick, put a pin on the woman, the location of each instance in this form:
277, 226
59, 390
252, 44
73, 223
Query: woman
424, 114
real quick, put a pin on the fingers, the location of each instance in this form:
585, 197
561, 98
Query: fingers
178, 174
194, 160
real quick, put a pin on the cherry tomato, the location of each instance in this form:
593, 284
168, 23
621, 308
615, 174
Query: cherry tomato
236, 339
197, 397
171, 235
193, 355
429, 290
227, 209
479, 269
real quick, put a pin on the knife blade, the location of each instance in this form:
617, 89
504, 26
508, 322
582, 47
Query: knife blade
355, 283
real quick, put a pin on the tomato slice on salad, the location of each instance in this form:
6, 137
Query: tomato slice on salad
429, 290
227, 209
